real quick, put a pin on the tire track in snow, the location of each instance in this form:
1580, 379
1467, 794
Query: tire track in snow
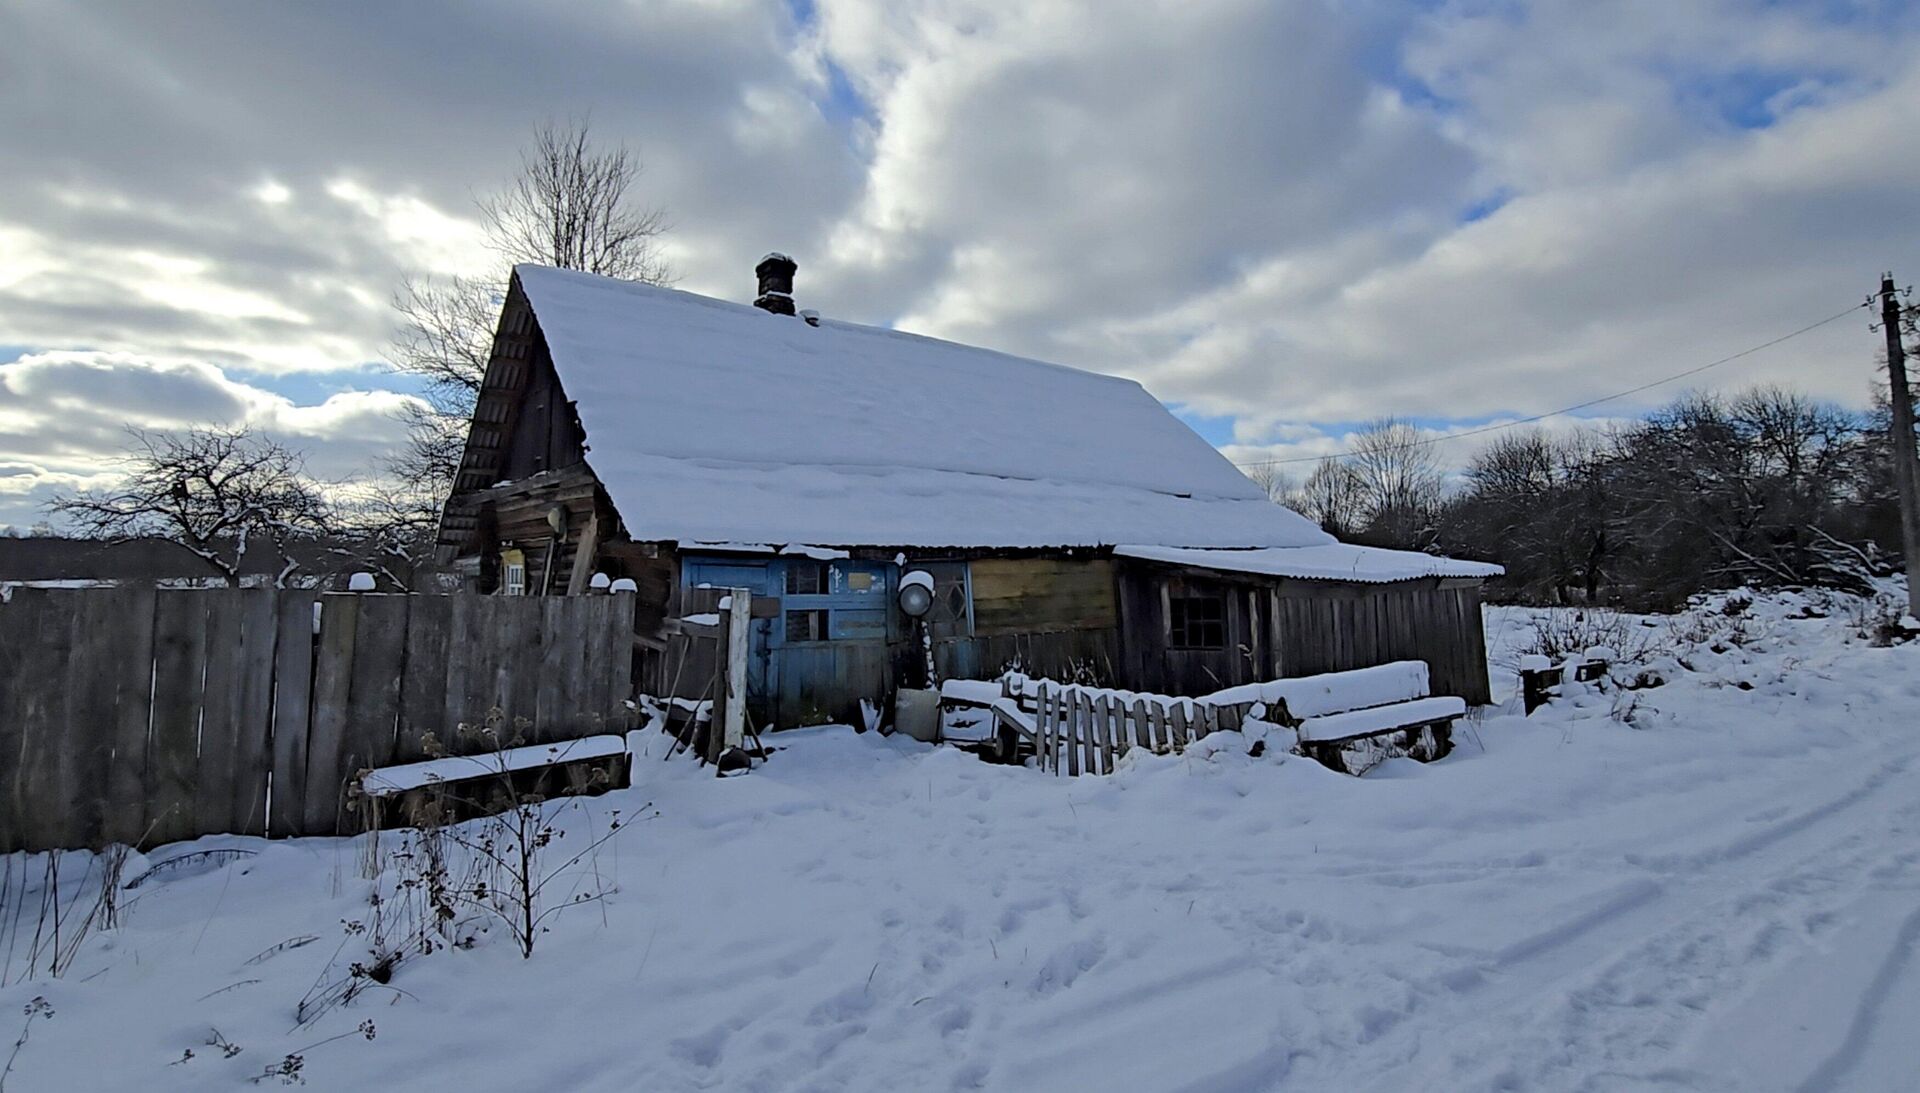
1641, 998
1507, 990
1866, 1015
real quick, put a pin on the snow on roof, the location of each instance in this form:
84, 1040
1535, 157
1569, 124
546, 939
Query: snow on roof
709, 420
1327, 562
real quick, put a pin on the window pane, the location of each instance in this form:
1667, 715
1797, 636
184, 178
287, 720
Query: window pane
1197, 622
806, 578
806, 625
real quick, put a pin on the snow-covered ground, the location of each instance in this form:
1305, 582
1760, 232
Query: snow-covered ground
1712, 884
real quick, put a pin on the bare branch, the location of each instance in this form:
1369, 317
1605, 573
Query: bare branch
211, 491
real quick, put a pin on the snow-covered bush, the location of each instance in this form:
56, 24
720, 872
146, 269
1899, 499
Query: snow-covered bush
1561, 633
1880, 621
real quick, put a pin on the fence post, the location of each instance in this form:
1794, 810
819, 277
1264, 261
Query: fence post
729, 729
1043, 728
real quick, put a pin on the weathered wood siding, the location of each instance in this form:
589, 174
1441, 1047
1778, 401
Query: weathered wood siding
1090, 655
1284, 628
546, 435
1320, 627
1151, 663
1036, 595
141, 716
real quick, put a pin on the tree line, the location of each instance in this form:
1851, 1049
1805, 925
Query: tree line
1765, 486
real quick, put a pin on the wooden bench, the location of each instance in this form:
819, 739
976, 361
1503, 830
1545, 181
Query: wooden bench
1540, 677
1009, 703
461, 787
1350, 721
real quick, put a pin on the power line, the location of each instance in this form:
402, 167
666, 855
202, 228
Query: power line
1429, 441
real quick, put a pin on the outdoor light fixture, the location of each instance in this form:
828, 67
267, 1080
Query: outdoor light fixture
557, 520
916, 593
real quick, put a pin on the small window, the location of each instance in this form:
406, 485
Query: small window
806, 578
516, 579
1197, 622
806, 625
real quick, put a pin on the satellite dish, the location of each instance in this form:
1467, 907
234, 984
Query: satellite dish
916, 593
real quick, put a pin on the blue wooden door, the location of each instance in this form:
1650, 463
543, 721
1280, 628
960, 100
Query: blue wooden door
755, 577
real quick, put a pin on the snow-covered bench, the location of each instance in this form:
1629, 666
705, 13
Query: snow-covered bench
1351, 720
1007, 705
1539, 675
459, 787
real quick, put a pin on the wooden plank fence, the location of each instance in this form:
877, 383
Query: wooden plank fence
146, 716
1081, 730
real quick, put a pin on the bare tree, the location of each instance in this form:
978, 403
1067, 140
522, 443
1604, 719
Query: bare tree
213, 491
1400, 480
387, 528
1278, 485
446, 332
571, 206
1332, 496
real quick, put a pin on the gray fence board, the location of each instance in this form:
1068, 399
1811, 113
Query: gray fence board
326, 736
15, 631
423, 688
373, 701
87, 754
252, 758
126, 819
221, 719
41, 712
292, 712
180, 647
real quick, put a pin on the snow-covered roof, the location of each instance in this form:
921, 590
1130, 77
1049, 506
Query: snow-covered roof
1327, 562
720, 422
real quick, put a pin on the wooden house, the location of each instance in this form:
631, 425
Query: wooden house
1072, 526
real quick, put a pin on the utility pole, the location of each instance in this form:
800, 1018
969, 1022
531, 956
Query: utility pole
1906, 474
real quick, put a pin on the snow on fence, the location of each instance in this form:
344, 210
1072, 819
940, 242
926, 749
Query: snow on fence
143, 716
1078, 729
1088, 729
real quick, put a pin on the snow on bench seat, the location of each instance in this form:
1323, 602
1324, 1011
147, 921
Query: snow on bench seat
1379, 719
981, 692
1337, 692
388, 781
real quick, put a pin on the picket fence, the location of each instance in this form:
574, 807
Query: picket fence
1087, 730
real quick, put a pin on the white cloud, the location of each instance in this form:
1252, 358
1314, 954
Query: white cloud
1256, 207
64, 418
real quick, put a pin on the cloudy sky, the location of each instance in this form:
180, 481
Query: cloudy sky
1284, 217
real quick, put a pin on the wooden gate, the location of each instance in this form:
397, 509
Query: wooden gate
145, 716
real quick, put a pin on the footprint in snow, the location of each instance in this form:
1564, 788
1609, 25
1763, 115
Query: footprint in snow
847, 1005
1067, 965
701, 1049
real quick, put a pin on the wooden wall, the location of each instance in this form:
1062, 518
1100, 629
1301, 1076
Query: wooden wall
1039, 595
1322, 627
1151, 664
1098, 621
546, 434
1285, 628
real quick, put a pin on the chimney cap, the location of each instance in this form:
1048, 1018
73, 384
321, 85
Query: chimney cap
775, 258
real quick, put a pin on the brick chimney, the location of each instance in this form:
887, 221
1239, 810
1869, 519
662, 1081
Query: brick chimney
776, 283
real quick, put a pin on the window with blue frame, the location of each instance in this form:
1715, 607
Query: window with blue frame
840, 600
